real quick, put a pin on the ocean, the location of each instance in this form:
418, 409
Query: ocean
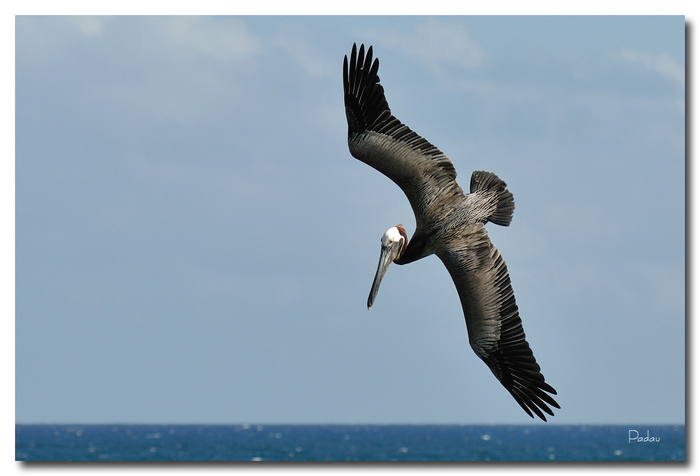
349, 443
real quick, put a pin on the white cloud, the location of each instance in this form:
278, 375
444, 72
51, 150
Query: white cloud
305, 54
88, 25
662, 64
448, 43
47, 40
438, 45
181, 69
221, 41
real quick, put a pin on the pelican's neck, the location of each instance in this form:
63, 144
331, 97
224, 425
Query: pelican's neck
400, 232
413, 250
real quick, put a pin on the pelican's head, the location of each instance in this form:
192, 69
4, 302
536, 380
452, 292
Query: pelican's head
394, 244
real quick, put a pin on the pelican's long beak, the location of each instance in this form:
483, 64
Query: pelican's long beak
389, 253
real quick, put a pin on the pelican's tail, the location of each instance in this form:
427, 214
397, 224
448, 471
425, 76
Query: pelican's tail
502, 214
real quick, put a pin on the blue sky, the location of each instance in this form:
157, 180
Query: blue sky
195, 244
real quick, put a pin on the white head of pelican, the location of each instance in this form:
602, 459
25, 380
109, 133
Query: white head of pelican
394, 244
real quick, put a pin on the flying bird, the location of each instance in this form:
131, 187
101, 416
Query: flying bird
449, 224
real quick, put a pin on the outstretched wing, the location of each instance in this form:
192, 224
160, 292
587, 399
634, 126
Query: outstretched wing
493, 324
380, 140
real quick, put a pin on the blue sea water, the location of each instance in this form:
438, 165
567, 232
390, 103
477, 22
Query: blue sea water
348, 443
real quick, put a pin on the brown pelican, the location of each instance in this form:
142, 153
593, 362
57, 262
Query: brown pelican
450, 224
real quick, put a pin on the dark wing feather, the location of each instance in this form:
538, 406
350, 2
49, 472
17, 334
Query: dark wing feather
493, 324
380, 140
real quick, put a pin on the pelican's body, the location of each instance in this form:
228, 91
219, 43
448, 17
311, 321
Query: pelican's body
449, 224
